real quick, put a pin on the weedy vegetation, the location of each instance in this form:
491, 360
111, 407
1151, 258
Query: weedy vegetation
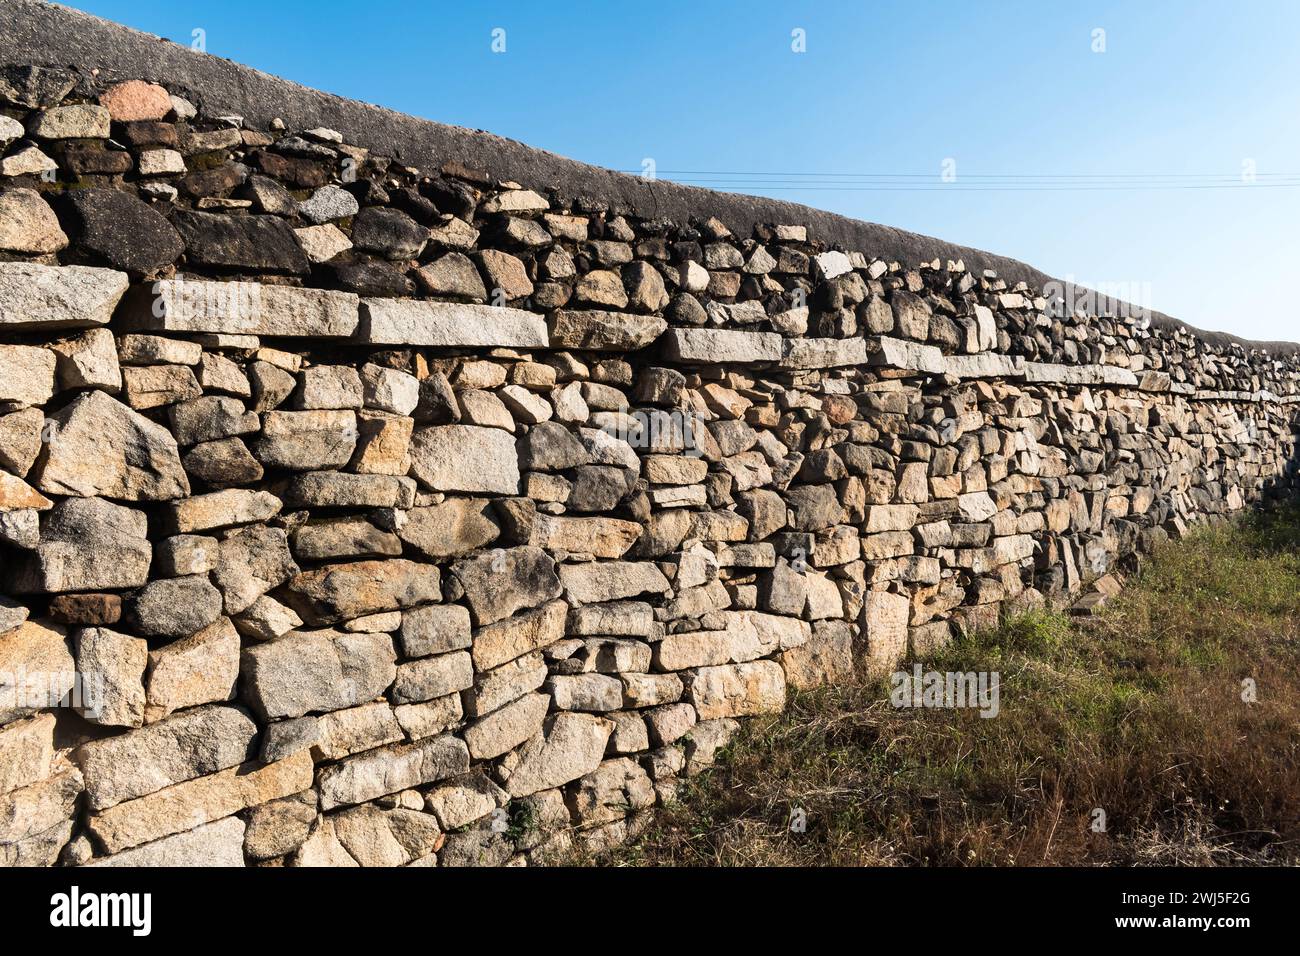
1163, 730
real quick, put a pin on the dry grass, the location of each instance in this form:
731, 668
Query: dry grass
1138, 712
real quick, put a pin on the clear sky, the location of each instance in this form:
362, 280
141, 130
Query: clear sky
1174, 97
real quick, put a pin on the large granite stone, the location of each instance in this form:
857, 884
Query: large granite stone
241, 308
36, 296
420, 322
100, 448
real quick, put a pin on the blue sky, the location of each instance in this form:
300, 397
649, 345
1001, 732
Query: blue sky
1183, 91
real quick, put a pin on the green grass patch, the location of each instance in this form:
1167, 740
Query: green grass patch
1142, 713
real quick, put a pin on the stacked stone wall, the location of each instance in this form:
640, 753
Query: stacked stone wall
360, 514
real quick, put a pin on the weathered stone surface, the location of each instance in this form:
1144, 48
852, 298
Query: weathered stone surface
26, 374
92, 610
17, 495
250, 243
339, 538
200, 669
453, 274
35, 87
76, 121
419, 322
504, 581
21, 529
909, 356
390, 769
136, 100
650, 690
266, 619
36, 820
241, 308
598, 537
250, 563
336, 489
389, 232
432, 677
389, 390
827, 658
737, 690
322, 243
465, 458
87, 544
20, 440
89, 361
342, 591
306, 441
607, 794
341, 733
43, 297
185, 554
610, 581
499, 686
549, 446
174, 607
516, 636
213, 844
315, 671
222, 509
28, 225
114, 664
706, 346
824, 353
461, 802
157, 385
430, 717
328, 204
124, 232
617, 619
26, 752
456, 526
200, 801
586, 692
99, 447
884, 622
603, 331
279, 827
12, 614
400, 836
571, 746
434, 629
179, 748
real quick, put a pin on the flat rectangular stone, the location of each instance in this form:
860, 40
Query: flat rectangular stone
34, 296
200, 801
386, 770
420, 322
1050, 373
909, 356
241, 308
213, 844
607, 331
722, 345
986, 365
190, 744
824, 353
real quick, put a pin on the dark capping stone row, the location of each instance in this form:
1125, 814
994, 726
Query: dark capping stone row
37, 33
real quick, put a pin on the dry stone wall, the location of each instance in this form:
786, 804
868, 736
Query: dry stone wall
357, 514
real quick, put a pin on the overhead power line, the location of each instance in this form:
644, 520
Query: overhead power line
974, 182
